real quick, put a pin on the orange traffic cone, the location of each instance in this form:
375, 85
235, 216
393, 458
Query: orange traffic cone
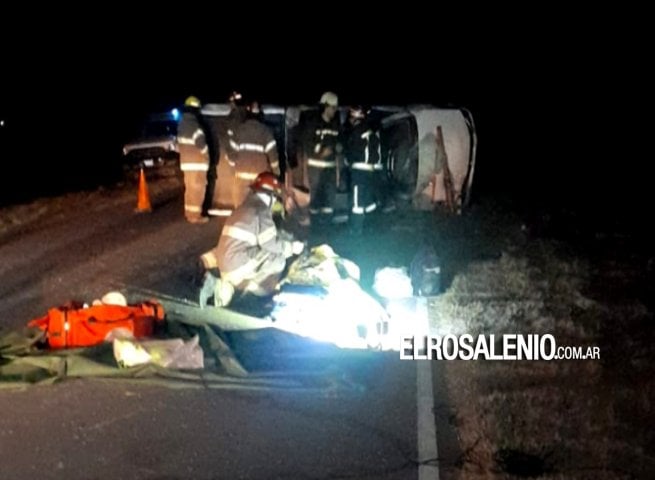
143, 198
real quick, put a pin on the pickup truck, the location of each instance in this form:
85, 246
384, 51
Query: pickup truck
154, 145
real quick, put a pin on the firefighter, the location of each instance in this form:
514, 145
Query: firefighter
363, 156
251, 253
251, 148
320, 145
194, 160
221, 192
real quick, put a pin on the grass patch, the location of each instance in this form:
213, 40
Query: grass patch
550, 419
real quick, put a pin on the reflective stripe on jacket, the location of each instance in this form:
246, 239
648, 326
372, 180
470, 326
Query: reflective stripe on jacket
319, 141
192, 144
362, 148
252, 148
248, 238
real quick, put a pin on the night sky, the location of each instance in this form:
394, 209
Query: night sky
556, 109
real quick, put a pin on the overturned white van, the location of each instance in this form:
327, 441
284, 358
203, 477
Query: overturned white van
429, 151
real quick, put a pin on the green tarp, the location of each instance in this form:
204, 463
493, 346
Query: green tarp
23, 361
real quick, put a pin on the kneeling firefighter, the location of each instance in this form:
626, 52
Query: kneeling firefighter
251, 253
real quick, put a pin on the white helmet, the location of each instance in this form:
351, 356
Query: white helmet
114, 298
329, 98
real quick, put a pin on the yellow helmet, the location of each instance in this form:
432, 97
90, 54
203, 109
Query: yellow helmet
192, 102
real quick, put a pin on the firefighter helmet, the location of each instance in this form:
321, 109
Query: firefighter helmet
329, 98
192, 102
267, 182
114, 298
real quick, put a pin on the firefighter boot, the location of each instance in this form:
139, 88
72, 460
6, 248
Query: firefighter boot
198, 220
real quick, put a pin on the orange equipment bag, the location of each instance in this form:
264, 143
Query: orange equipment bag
75, 326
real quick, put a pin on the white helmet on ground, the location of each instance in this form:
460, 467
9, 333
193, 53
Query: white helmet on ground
114, 298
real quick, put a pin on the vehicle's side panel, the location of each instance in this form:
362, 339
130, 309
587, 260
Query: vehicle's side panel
458, 143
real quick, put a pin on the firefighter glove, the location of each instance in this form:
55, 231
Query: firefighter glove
297, 247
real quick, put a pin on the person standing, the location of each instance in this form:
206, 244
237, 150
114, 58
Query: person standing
251, 150
320, 145
194, 160
363, 156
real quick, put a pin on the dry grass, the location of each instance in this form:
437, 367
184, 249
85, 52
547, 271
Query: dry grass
551, 419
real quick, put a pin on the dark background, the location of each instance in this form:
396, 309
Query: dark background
559, 108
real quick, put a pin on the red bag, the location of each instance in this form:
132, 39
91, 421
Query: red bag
72, 326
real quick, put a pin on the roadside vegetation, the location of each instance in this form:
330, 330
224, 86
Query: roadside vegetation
559, 419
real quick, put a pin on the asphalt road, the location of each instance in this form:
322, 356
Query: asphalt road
100, 428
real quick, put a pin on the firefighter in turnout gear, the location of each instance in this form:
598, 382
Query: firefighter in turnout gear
251, 149
363, 156
251, 253
194, 160
320, 145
